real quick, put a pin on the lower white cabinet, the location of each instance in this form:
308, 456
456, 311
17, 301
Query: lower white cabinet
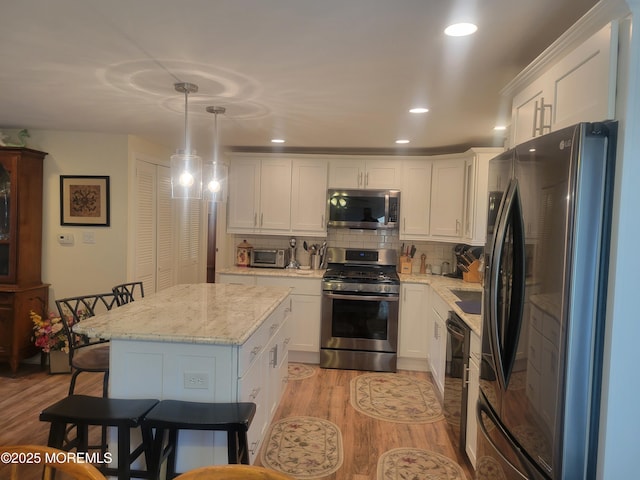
473, 376
305, 310
438, 340
413, 338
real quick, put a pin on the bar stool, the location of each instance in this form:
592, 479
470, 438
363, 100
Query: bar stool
84, 411
174, 415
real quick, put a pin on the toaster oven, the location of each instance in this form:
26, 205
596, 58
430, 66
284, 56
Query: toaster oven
270, 258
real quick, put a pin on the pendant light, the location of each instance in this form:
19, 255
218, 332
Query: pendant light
186, 165
216, 171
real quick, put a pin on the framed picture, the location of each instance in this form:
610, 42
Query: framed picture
84, 200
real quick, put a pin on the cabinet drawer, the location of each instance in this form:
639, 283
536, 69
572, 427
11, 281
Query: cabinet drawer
301, 286
6, 298
252, 348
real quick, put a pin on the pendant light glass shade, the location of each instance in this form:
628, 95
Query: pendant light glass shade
186, 165
215, 173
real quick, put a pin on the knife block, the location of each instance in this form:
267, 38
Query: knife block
473, 275
405, 264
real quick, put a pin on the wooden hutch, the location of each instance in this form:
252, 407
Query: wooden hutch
21, 287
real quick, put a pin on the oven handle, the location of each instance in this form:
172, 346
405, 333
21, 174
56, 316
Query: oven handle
369, 298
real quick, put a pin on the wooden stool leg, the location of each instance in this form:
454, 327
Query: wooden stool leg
124, 449
56, 434
243, 447
173, 447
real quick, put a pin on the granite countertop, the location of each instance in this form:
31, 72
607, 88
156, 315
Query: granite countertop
205, 313
443, 286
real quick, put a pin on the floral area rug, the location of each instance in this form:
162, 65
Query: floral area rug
395, 398
299, 371
303, 447
413, 463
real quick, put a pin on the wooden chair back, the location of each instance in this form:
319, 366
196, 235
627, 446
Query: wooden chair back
128, 292
233, 472
51, 460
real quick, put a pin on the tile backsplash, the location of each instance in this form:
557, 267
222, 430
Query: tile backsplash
436, 252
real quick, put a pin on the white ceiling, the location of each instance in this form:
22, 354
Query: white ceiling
322, 74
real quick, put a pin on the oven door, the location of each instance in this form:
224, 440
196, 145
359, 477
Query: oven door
362, 322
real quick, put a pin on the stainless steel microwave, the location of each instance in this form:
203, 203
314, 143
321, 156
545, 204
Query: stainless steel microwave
269, 258
367, 209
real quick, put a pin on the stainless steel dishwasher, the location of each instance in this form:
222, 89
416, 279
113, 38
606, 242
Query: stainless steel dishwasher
456, 379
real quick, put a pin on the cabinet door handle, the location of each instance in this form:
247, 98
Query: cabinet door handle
261, 218
254, 447
360, 179
273, 354
457, 226
256, 350
255, 219
366, 179
535, 119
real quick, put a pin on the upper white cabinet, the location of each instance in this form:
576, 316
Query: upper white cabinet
447, 197
579, 87
375, 173
415, 199
277, 195
309, 196
476, 194
259, 195
444, 197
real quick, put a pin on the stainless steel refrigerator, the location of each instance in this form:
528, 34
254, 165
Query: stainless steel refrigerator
545, 276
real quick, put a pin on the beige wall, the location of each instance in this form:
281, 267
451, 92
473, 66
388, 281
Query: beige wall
84, 268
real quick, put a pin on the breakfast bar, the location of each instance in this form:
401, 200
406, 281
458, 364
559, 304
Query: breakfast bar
203, 343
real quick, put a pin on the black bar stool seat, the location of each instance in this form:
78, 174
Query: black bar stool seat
84, 411
174, 415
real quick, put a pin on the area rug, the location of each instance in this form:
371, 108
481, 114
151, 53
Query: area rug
303, 447
395, 398
413, 463
299, 371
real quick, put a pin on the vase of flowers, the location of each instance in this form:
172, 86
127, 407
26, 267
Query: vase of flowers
50, 336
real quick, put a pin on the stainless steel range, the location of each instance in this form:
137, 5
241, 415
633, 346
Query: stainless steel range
359, 326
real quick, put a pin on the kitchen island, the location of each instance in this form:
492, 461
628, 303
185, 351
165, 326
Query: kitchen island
203, 343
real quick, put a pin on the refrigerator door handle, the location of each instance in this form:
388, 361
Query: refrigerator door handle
504, 342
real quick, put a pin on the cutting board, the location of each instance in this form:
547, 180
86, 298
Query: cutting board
472, 307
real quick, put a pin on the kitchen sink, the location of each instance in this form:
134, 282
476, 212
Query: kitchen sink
467, 295
470, 301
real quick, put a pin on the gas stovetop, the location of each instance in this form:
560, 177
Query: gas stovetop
369, 271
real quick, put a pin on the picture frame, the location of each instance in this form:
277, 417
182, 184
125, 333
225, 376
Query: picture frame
84, 200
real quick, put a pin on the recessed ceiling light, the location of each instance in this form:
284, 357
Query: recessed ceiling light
500, 127
277, 140
402, 140
460, 29
419, 110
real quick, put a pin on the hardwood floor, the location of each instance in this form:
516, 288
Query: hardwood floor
324, 395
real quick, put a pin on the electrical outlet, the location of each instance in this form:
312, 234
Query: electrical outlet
198, 380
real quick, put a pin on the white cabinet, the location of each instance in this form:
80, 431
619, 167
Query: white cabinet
415, 199
438, 340
476, 194
309, 196
278, 195
447, 198
259, 196
375, 173
475, 352
413, 328
304, 327
579, 87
